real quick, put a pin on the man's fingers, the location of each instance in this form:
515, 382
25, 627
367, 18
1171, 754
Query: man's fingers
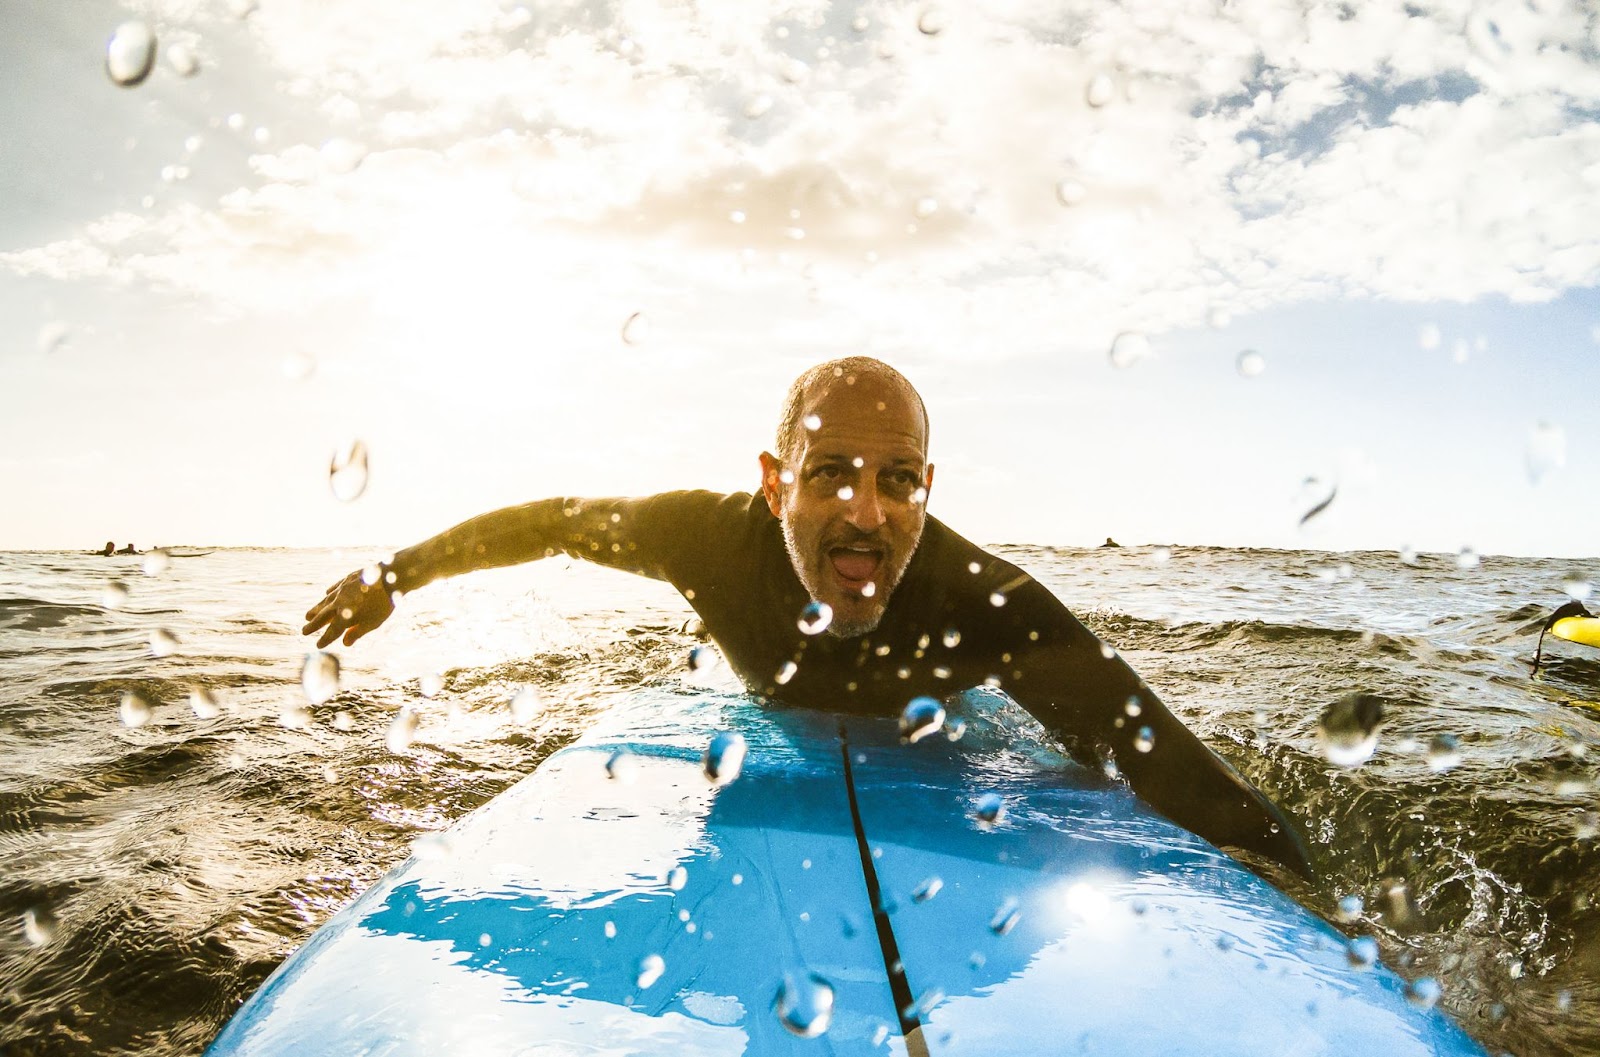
327, 636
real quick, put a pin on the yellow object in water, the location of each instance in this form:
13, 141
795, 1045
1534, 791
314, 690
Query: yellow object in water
1585, 630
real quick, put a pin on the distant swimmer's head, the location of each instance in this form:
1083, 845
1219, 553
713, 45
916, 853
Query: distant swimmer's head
850, 484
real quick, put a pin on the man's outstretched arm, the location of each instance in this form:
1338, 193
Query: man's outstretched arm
623, 533
1095, 702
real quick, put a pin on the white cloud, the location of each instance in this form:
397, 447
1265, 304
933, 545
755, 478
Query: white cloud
553, 145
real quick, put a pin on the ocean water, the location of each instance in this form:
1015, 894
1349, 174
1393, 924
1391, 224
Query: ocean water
151, 876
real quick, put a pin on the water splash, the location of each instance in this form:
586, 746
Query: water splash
636, 329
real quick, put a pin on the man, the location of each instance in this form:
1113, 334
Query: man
840, 536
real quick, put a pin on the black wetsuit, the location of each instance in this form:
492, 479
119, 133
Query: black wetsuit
959, 617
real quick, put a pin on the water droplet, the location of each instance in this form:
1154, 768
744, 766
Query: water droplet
611, 930
525, 704
319, 676
724, 757
812, 422
860, 23
430, 683
341, 156
847, 493
114, 595
163, 643
1251, 363
261, 135
926, 890
1547, 451
235, 122
182, 60
1362, 952
787, 672
931, 22
130, 54
1129, 348
622, 766
869, 589
295, 716
156, 562
804, 1004
919, 496
922, 716
204, 703
758, 106
1005, 918
815, 618
431, 847
926, 207
347, 471
135, 709
636, 329
1348, 729
990, 809
1399, 908
1144, 740
997, 599
1100, 91
1428, 336
1218, 318
1408, 555
1444, 753
402, 731
955, 730
299, 365
39, 925
1573, 584
52, 336
1070, 192
676, 878
1423, 992
1467, 559
737, 216
650, 969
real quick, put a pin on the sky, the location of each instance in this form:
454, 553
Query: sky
1170, 272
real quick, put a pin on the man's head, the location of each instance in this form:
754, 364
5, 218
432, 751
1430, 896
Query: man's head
850, 482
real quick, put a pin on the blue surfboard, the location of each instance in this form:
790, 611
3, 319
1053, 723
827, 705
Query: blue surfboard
846, 893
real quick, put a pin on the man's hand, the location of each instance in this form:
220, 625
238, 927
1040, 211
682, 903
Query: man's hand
351, 607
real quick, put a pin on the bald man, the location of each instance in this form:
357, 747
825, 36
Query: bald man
841, 520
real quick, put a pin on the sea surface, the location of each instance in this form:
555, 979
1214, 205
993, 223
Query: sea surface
152, 875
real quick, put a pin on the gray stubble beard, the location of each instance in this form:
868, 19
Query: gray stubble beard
840, 628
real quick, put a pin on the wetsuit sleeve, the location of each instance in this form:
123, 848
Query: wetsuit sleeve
652, 536
659, 536
1094, 702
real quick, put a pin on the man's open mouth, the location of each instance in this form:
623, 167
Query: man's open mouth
856, 565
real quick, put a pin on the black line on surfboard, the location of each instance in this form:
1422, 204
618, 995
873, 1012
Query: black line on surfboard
899, 987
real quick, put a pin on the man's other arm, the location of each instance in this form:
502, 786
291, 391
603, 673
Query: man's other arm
1096, 702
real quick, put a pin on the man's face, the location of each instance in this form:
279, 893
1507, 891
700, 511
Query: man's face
853, 512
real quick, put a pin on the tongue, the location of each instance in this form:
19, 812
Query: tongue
854, 565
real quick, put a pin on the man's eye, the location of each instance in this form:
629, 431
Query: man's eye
828, 472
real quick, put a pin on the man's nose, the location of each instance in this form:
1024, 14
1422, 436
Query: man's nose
864, 508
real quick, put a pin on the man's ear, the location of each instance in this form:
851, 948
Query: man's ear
927, 479
771, 486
